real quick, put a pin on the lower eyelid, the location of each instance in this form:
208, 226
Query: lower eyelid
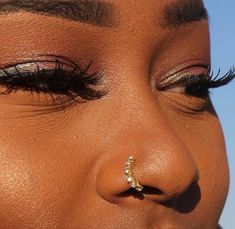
177, 89
183, 103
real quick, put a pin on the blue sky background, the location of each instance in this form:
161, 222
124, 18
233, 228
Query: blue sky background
222, 22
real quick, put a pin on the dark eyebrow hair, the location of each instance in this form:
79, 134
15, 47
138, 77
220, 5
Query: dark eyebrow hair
183, 12
85, 11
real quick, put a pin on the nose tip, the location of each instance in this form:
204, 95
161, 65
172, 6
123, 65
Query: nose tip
171, 185
163, 181
163, 177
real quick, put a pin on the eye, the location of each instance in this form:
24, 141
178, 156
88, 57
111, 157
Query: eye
196, 85
191, 85
191, 92
58, 77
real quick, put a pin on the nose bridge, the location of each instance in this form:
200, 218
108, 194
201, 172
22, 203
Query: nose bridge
163, 161
137, 102
141, 114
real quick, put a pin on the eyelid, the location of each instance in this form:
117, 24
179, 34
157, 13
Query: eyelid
32, 65
182, 80
62, 74
196, 85
191, 67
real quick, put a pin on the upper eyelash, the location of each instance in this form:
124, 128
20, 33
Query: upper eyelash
207, 80
79, 78
217, 81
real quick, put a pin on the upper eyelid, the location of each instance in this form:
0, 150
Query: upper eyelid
208, 80
48, 58
181, 79
30, 63
57, 62
80, 80
184, 68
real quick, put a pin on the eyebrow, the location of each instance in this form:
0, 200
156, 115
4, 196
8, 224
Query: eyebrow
85, 11
183, 12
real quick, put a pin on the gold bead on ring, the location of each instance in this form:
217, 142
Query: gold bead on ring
129, 175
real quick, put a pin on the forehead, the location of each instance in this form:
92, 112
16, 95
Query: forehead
103, 24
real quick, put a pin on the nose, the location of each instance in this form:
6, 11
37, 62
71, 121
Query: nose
164, 165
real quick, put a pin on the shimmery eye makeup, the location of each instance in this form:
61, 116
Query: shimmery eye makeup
56, 76
61, 76
197, 85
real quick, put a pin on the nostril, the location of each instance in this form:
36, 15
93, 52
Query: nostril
147, 190
187, 201
132, 192
151, 191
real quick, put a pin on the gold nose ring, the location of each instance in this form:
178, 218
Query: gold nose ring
129, 175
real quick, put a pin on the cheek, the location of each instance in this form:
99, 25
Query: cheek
214, 173
34, 189
44, 167
205, 141
16, 189
203, 136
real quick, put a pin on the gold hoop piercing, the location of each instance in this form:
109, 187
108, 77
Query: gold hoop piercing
129, 175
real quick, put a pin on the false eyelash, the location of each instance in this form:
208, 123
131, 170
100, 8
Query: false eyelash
200, 84
216, 81
74, 83
208, 80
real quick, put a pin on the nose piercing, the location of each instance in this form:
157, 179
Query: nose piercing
129, 175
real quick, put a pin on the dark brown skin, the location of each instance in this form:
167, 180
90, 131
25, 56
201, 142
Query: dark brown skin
65, 169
